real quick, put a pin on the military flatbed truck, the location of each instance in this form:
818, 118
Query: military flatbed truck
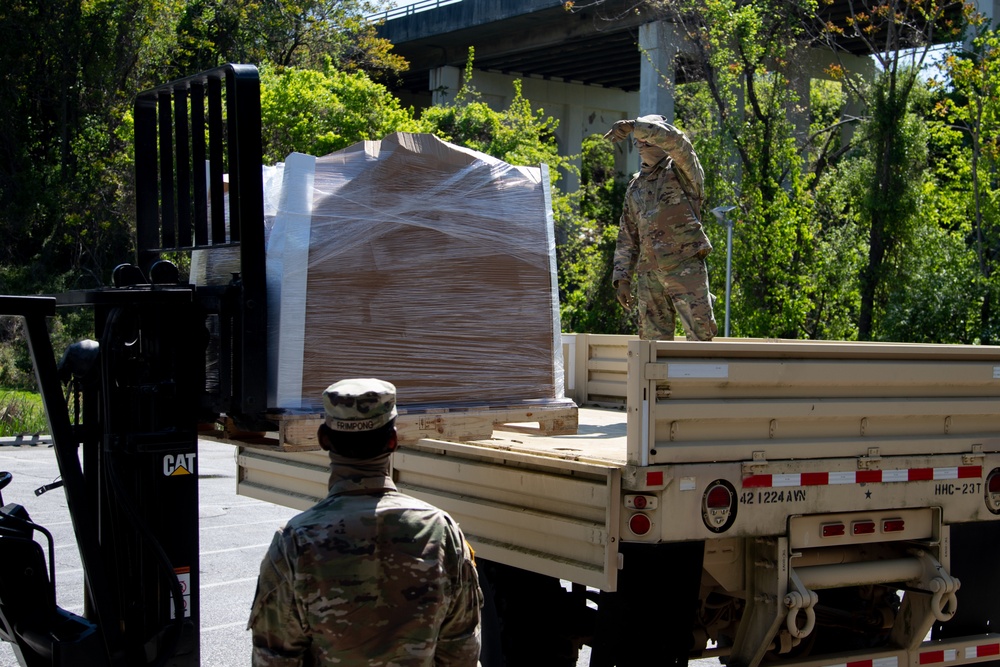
809, 503
819, 504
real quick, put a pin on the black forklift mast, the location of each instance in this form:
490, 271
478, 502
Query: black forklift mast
170, 357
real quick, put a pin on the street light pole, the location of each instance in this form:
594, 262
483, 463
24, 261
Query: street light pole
720, 216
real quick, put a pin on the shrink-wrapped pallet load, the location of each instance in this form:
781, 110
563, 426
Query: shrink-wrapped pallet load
418, 262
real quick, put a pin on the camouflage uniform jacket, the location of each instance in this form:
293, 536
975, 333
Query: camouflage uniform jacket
367, 576
660, 223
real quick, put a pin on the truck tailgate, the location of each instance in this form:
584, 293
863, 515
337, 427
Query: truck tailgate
539, 503
551, 516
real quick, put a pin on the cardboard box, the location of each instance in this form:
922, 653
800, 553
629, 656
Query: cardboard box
418, 262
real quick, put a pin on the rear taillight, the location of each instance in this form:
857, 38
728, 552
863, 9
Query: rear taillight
993, 491
993, 482
893, 525
718, 497
718, 506
638, 501
832, 529
863, 527
639, 524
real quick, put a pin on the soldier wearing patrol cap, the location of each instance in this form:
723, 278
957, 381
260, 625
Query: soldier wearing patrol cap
661, 239
368, 576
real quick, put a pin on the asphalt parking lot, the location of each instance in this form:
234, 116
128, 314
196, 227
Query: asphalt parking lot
234, 534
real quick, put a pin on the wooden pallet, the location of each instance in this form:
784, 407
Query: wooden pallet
297, 432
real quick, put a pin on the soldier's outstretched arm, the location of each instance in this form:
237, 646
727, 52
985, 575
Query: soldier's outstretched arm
657, 131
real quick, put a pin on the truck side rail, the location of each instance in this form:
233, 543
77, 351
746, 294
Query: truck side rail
730, 401
595, 368
184, 145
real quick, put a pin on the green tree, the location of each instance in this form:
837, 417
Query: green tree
971, 116
899, 34
318, 112
586, 260
287, 33
69, 71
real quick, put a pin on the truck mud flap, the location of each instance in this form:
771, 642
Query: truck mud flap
979, 605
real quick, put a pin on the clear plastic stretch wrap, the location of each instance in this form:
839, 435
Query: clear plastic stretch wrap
418, 262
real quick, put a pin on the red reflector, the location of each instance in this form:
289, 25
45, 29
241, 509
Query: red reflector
993, 482
987, 649
866, 527
639, 502
639, 524
654, 478
931, 657
893, 525
832, 530
718, 498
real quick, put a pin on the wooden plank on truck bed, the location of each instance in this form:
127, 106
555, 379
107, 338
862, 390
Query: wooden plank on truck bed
297, 431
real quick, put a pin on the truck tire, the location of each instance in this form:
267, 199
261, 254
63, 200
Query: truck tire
523, 620
491, 651
978, 603
650, 620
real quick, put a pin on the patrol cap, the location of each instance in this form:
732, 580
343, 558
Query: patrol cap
359, 404
652, 118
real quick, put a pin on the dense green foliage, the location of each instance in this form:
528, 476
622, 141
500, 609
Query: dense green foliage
966, 140
321, 111
585, 260
864, 221
21, 413
70, 72
518, 134
874, 215
286, 33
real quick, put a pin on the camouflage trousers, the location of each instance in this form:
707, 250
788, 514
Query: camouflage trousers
662, 296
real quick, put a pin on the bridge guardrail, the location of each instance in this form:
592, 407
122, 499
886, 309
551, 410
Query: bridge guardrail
416, 7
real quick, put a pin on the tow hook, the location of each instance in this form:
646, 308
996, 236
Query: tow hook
943, 586
800, 599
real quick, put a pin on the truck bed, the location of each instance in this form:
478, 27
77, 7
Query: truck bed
600, 438
796, 426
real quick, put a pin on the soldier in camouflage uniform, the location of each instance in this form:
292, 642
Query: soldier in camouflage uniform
368, 576
661, 239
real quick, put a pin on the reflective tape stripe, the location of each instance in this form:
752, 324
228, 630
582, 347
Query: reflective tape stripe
940, 656
878, 662
776, 480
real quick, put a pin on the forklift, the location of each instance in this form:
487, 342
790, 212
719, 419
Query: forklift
169, 358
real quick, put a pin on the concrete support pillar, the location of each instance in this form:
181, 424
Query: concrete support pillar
990, 9
445, 82
815, 64
569, 135
580, 109
798, 110
854, 107
659, 44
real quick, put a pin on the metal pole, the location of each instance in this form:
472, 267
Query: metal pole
729, 269
721, 217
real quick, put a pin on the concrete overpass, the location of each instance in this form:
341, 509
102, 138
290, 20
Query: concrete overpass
587, 67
